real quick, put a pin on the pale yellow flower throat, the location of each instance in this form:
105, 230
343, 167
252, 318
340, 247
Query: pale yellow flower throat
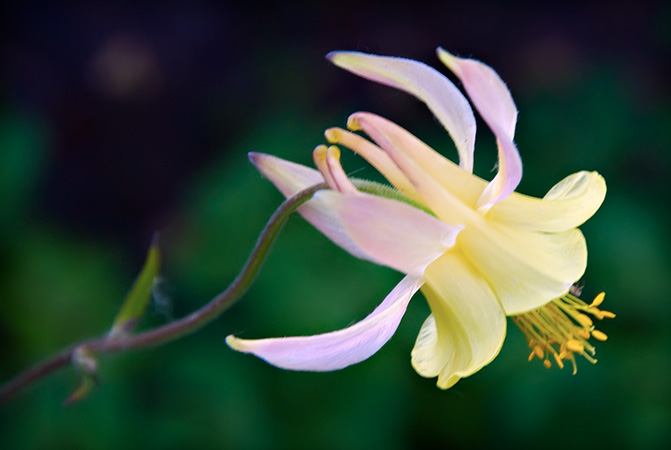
561, 329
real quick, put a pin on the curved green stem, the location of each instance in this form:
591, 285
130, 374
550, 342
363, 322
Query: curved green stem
174, 330
223, 301
214, 308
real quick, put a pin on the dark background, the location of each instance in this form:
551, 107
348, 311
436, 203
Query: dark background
118, 120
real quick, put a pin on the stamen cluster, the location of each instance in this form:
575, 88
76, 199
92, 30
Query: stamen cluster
562, 329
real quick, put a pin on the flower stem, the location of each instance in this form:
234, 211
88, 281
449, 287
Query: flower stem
174, 330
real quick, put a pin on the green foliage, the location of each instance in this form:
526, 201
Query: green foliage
59, 285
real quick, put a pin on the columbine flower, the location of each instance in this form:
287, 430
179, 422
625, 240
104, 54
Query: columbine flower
478, 251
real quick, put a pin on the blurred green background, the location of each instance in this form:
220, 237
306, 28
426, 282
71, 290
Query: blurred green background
118, 120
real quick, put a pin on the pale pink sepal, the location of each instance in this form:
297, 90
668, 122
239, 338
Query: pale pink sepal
491, 97
288, 177
427, 84
507, 178
376, 229
338, 349
389, 232
291, 178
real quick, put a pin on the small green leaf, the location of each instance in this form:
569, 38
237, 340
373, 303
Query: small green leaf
138, 298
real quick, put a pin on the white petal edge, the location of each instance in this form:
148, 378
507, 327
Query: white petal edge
338, 349
442, 97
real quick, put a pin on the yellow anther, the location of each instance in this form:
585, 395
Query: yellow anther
607, 314
583, 333
538, 350
599, 335
547, 364
320, 152
575, 346
585, 319
598, 299
332, 135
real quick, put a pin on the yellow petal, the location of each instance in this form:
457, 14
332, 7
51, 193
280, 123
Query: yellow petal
526, 269
567, 205
467, 326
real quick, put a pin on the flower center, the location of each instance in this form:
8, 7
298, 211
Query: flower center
562, 329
